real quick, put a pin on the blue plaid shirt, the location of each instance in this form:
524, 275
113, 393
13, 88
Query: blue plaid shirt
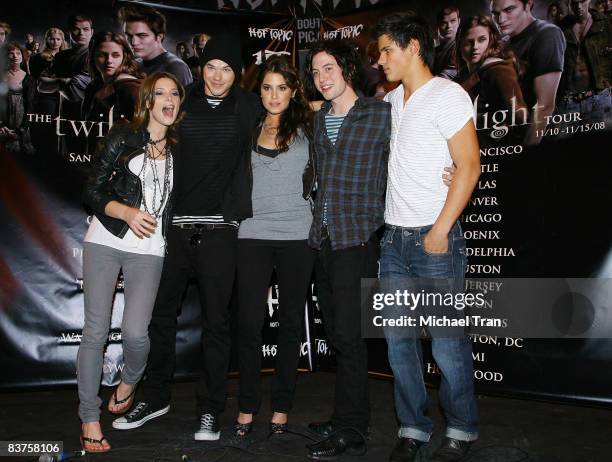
351, 174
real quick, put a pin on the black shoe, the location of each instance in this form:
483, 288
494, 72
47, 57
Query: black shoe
331, 448
243, 429
452, 450
278, 428
209, 428
323, 429
143, 412
405, 450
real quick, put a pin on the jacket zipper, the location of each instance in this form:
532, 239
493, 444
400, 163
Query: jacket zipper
126, 167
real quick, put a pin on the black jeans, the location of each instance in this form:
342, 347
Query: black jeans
213, 263
294, 262
338, 276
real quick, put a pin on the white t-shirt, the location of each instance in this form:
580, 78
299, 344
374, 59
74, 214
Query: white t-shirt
153, 245
419, 151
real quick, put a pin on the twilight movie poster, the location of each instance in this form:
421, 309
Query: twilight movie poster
542, 108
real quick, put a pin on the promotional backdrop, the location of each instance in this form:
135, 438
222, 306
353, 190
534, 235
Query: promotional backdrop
539, 210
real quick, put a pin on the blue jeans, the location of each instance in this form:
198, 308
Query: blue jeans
403, 256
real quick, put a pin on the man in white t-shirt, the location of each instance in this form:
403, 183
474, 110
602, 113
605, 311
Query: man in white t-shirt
432, 128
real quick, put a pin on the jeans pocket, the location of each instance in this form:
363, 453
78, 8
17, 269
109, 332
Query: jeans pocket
459, 256
459, 244
387, 238
441, 254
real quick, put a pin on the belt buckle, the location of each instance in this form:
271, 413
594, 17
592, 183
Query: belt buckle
195, 239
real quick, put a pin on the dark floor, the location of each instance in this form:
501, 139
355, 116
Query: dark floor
512, 430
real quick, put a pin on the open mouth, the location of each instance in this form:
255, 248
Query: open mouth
168, 110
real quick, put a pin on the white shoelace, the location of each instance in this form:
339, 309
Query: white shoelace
206, 421
137, 409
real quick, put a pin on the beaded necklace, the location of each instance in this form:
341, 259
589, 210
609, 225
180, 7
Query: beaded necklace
150, 158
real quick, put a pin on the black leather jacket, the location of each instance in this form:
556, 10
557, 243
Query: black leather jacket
110, 178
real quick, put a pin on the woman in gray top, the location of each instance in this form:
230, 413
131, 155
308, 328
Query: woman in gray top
275, 237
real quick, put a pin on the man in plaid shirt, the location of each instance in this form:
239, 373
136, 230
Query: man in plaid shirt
351, 145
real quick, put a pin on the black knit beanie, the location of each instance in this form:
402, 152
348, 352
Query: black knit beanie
227, 49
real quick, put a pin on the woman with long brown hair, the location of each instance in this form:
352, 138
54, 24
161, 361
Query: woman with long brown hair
116, 79
275, 237
487, 69
130, 191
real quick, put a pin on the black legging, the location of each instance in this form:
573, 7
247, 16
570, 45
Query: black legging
294, 262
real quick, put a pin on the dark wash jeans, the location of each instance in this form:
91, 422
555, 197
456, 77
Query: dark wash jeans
338, 276
403, 256
213, 263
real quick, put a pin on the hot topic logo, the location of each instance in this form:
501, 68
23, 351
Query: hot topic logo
263, 55
272, 301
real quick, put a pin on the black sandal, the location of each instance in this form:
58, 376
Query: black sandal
243, 429
129, 399
278, 428
86, 443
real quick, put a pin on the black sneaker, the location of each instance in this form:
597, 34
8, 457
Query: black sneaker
406, 450
209, 428
452, 450
143, 412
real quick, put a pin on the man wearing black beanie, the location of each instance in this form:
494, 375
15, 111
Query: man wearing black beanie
213, 164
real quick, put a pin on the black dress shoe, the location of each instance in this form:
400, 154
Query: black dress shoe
452, 450
331, 448
322, 428
405, 450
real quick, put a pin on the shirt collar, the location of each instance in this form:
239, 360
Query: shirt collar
359, 104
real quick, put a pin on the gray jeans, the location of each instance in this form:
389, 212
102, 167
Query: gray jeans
141, 274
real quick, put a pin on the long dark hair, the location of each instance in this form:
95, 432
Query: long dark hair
346, 56
496, 48
297, 115
129, 65
146, 98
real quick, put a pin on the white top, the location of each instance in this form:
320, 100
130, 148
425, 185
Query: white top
154, 245
419, 150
